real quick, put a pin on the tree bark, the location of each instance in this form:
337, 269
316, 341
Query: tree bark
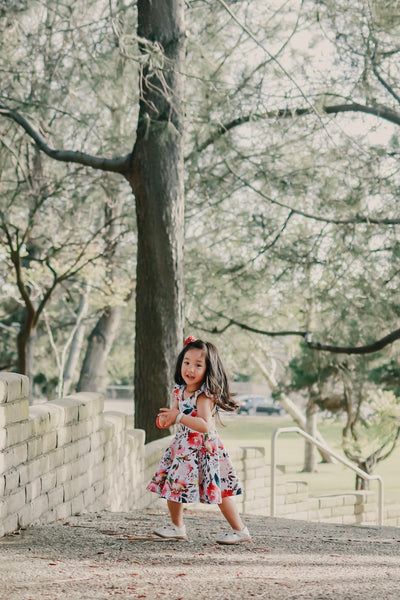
76, 344
92, 377
157, 182
310, 454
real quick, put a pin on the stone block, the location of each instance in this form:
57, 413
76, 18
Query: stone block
3, 509
349, 519
77, 504
325, 513
3, 389
111, 448
287, 509
13, 457
49, 441
56, 413
250, 495
13, 412
117, 419
63, 474
55, 458
351, 499
109, 432
64, 435
74, 487
55, 497
253, 452
9, 524
88, 497
370, 517
40, 418
81, 429
98, 473
63, 511
18, 432
82, 465
330, 501
339, 511
295, 498
98, 488
16, 501
98, 422
83, 446
259, 503
256, 463
13, 386
363, 508
33, 489
35, 447
97, 439
71, 409
92, 404
71, 452
48, 481
11, 481
97, 456
3, 438
139, 437
33, 470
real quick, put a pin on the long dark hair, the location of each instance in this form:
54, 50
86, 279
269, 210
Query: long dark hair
215, 378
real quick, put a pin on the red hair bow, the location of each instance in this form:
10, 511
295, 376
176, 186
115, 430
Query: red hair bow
189, 339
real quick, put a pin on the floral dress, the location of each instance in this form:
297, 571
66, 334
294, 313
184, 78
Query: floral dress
195, 467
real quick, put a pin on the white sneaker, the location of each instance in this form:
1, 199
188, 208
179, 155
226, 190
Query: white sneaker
171, 532
235, 537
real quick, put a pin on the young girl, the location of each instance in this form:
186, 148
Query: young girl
195, 467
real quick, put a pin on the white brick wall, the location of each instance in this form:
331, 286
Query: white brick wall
68, 456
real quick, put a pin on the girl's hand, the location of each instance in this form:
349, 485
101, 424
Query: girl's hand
167, 417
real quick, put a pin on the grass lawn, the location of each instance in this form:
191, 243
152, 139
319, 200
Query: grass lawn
243, 430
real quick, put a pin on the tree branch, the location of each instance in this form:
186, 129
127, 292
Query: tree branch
367, 349
381, 112
119, 164
354, 220
306, 335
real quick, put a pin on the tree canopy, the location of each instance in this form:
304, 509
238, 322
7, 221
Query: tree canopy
291, 152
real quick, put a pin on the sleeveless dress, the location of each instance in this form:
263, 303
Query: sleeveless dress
195, 467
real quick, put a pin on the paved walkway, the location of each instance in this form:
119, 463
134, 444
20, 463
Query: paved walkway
111, 555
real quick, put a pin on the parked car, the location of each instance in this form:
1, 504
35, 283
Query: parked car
251, 405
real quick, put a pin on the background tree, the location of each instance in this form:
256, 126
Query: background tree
154, 168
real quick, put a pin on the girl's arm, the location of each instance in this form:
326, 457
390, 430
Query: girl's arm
201, 423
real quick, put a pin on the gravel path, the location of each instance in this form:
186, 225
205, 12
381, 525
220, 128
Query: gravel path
112, 555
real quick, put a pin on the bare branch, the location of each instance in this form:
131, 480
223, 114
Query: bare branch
381, 112
367, 349
354, 220
306, 335
119, 164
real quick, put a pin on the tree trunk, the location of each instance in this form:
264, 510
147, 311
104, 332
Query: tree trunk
92, 377
293, 411
25, 332
157, 182
310, 451
76, 344
30, 361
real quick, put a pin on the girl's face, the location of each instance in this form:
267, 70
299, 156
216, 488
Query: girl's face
193, 368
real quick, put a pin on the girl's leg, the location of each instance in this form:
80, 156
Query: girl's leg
176, 512
231, 513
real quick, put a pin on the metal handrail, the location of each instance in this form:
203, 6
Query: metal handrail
341, 459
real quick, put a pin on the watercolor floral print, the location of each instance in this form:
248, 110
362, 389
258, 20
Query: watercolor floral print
195, 467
